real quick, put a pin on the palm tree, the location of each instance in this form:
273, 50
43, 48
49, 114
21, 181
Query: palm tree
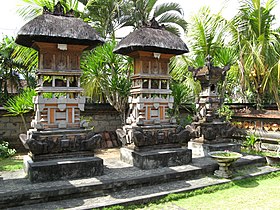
259, 48
169, 14
106, 16
206, 36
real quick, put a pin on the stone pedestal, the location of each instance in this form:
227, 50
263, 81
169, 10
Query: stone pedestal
61, 154
62, 169
202, 149
156, 158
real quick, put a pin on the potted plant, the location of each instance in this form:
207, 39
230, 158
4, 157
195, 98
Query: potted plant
273, 158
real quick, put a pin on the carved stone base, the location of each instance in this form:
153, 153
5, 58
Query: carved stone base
154, 136
60, 141
156, 158
62, 169
202, 149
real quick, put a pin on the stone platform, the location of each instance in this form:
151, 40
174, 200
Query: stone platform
62, 169
156, 158
121, 183
202, 149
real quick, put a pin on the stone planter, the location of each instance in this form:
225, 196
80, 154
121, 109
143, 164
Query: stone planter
224, 159
273, 160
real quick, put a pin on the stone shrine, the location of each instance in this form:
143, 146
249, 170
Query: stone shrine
60, 145
212, 132
150, 137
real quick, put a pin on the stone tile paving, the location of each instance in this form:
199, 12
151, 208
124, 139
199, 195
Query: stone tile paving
15, 183
114, 170
143, 194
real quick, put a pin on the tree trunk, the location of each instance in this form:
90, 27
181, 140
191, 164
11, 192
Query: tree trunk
276, 97
259, 101
24, 122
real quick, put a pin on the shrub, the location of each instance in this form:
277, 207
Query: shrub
5, 151
21, 104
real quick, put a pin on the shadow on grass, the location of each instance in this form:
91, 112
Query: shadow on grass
247, 183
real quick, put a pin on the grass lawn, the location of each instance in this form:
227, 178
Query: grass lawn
254, 193
11, 163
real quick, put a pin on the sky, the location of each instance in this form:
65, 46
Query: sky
10, 21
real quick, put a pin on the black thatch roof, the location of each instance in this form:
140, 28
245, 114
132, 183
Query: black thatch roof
58, 28
152, 38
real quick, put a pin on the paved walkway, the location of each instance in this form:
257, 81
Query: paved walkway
13, 183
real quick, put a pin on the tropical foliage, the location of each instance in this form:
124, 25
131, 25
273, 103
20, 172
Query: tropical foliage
206, 36
106, 76
9, 68
259, 48
5, 151
183, 99
249, 43
32, 8
21, 104
106, 16
169, 14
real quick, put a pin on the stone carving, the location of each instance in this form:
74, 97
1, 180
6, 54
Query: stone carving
143, 137
63, 143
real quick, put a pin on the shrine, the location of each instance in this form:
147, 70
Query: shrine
213, 133
60, 145
151, 138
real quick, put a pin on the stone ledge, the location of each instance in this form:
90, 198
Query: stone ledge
156, 158
62, 169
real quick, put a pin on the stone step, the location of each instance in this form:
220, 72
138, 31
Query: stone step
118, 176
146, 194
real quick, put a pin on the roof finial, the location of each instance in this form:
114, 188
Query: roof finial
58, 9
46, 10
70, 13
155, 24
208, 62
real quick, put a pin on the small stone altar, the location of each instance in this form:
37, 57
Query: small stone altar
212, 132
60, 145
150, 137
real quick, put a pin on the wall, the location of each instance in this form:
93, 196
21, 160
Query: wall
105, 120
103, 117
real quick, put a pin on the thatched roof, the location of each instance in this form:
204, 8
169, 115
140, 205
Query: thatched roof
58, 28
152, 38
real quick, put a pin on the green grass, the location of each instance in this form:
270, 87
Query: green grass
11, 164
252, 193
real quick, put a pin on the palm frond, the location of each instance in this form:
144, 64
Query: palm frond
28, 57
174, 19
149, 5
167, 7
